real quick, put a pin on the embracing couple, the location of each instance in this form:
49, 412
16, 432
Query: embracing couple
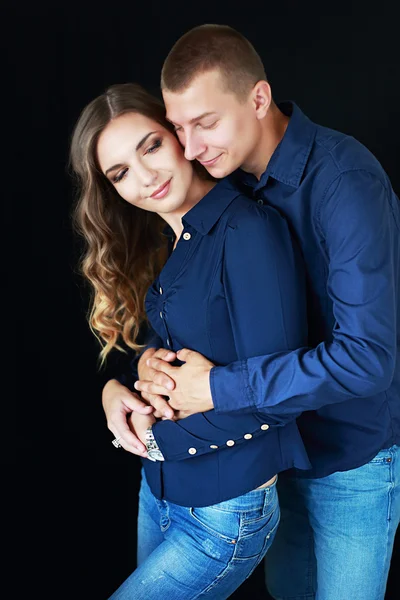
260, 252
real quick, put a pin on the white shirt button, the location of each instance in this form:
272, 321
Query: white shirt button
213, 446
230, 443
264, 427
160, 290
192, 450
186, 236
259, 201
247, 436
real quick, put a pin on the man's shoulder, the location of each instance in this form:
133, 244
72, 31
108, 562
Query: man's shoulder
340, 153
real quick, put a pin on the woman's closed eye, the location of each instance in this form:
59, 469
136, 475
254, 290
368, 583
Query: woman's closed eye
155, 146
120, 176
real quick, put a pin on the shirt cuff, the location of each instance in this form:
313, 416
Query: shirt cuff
225, 383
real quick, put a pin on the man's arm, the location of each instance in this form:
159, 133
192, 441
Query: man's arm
360, 226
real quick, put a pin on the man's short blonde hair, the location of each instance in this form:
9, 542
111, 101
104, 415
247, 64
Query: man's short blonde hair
213, 47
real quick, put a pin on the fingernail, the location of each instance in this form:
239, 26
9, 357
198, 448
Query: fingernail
170, 385
148, 362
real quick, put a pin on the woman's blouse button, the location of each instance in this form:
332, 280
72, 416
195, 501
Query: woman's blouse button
186, 236
192, 450
247, 436
213, 446
264, 427
230, 443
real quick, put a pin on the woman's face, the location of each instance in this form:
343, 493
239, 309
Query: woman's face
145, 163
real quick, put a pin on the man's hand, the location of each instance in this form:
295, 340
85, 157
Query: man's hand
162, 382
192, 392
118, 404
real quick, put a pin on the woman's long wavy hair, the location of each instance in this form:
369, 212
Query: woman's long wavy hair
124, 246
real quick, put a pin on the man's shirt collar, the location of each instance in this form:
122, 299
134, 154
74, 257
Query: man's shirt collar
290, 157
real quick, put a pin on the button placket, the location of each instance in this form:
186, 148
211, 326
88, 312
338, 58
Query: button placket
164, 320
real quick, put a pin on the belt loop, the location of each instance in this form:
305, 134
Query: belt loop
267, 492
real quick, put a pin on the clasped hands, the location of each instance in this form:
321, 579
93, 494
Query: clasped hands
187, 386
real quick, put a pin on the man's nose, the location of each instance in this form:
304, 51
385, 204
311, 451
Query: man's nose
194, 147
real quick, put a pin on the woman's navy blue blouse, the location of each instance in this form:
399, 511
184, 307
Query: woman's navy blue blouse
233, 288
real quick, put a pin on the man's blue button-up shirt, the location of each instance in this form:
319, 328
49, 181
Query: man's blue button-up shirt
342, 209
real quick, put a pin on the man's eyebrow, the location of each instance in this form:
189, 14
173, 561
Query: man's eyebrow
139, 145
205, 114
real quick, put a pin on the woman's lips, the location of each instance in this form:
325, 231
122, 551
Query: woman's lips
162, 191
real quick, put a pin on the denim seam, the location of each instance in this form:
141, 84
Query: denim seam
219, 577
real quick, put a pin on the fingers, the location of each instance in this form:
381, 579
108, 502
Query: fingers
161, 373
148, 387
158, 378
158, 403
185, 354
165, 354
127, 439
134, 403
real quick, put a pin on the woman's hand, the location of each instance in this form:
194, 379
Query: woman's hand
139, 423
118, 404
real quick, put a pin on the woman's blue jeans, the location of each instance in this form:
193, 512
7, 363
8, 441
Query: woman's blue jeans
335, 537
206, 553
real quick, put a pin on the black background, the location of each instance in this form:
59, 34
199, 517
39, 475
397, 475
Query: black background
341, 68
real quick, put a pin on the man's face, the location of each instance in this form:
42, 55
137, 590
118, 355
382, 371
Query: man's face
213, 126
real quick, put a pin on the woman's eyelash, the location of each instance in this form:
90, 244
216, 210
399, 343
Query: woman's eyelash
120, 176
155, 146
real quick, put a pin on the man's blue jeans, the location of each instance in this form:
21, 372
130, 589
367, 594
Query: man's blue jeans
336, 534
206, 553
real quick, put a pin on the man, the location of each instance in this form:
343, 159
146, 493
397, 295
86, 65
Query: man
339, 520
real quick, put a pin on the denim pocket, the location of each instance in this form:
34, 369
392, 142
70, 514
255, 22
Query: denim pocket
220, 524
267, 543
255, 535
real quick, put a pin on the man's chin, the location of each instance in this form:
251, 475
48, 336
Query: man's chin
219, 172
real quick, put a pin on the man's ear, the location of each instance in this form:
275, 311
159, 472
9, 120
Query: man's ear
261, 98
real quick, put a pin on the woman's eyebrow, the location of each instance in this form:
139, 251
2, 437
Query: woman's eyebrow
139, 145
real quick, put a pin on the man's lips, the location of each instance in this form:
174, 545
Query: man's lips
206, 163
162, 190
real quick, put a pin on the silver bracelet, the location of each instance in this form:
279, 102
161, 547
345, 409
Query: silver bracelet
153, 451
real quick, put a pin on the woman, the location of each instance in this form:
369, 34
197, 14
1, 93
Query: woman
208, 507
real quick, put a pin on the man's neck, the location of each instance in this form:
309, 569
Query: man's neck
273, 126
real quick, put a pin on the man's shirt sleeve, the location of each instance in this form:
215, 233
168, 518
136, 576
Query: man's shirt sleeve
358, 222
